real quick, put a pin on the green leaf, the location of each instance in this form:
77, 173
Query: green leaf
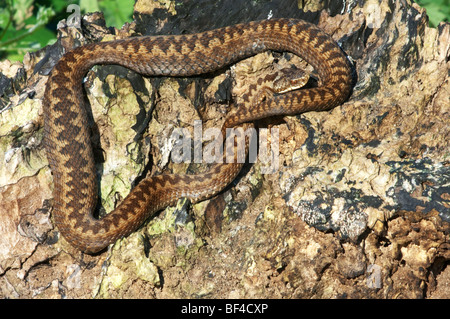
437, 10
117, 12
44, 15
4, 17
23, 9
31, 36
89, 5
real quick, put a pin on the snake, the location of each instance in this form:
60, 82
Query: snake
67, 132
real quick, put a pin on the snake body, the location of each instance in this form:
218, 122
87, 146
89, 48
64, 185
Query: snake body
67, 134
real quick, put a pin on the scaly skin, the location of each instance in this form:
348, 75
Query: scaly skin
67, 136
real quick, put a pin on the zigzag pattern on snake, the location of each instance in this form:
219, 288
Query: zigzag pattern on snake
67, 135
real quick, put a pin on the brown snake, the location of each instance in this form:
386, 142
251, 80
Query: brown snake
67, 132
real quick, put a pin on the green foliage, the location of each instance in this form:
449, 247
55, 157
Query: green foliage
116, 12
28, 25
437, 10
22, 27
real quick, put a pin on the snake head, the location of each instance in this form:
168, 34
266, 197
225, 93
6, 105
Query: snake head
290, 79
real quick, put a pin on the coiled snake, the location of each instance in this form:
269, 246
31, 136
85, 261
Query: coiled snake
67, 135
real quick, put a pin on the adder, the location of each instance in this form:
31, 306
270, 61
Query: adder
67, 135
